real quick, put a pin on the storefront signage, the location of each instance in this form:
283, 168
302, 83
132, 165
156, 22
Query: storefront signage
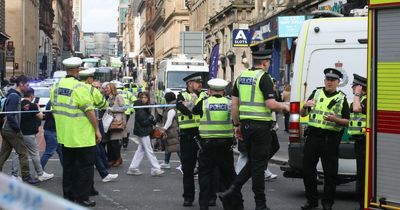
332, 5
241, 38
290, 26
263, 31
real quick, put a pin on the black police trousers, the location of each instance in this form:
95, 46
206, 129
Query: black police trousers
257, 136
78, 172
359, 149
324, 145
216, 155
189, 150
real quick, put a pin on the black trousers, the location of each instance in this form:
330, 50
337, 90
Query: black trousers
216, 155
257, 136
324, 146
78, 172
359, 149
113, 150
125, 140
189, 150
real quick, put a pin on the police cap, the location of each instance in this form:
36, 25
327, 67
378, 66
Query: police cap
72, 63
217, 84
194, 77
87, 72
262, 55
359, 80
332, 73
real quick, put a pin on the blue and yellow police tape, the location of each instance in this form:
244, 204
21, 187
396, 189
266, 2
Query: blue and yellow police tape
135, 107
16, 195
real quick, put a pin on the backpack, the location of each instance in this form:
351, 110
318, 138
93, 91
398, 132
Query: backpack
3, 103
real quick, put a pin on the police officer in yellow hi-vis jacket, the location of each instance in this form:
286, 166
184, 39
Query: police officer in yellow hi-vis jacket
357, 124
253, 100
216, 132
328, 113
77, 130
188, 129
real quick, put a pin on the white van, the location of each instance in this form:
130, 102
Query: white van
326, 42
171, 72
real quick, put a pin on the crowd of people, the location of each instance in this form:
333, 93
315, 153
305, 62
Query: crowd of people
89, 125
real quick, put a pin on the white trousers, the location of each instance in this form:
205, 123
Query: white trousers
144, 148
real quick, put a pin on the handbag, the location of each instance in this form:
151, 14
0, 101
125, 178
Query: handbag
117, 123
107, 119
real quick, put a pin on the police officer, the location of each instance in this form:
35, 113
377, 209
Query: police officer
253, 101
188, 129
100, 103
357, 126
77, 131
216, 132
99, 100
328, 112
129, 99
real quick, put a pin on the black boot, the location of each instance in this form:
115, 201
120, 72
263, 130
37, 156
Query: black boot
227, 193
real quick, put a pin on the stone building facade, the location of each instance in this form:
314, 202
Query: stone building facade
171, 18
46, 17
22, 24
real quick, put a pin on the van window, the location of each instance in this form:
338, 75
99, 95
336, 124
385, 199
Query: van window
175, 79
354, 60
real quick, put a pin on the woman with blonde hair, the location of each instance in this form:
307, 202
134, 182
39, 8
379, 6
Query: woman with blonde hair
117, 129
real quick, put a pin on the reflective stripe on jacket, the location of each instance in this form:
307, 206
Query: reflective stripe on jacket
358, 121
216, 120
251, 99
70, 99
322, 109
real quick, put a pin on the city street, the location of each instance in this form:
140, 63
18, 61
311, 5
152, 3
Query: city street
146, 192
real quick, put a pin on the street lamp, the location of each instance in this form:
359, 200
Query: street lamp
223, 65
232, 61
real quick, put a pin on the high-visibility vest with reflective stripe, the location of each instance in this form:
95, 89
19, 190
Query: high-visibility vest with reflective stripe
99, 101
129, 99
251, 99
70, 99
189, 121
216, 120
316, 116
358, 121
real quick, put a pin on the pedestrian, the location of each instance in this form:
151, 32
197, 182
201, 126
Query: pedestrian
328, 112
30, 123
77, 131
50, 137
253, 100
116, 109
11, 130
188, 129
357, 124
170, 130
216, 132
144, 123
286, 99
100, 104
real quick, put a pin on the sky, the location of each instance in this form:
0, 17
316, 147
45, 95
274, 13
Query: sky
100, 15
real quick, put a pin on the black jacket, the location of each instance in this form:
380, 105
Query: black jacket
144, 121
13, 103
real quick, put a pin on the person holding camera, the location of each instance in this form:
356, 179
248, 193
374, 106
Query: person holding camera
144, 123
